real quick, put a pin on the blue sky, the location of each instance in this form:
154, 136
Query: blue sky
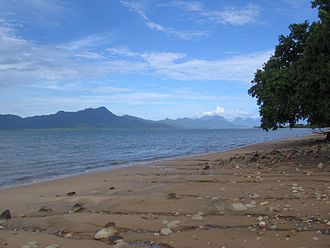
149, 58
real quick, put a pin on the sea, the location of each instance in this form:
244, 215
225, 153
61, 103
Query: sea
30, 156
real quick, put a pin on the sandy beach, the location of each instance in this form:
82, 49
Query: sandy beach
273, 194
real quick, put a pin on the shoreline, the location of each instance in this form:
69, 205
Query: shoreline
148, 162
273, 194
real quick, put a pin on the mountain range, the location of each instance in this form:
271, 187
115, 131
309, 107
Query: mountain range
103, 118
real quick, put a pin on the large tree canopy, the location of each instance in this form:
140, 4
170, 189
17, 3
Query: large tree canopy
294, 84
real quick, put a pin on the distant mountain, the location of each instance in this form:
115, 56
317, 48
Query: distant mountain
88, 118
103, 118
247, 122
209, 122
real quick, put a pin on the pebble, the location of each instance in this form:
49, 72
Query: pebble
254, 195
107, 231
53, 246
114, 239
31, 244
173, 224
77, 207
197, 216
5, 215
238, 206
165, 231
316, 238
72, 193
320, 165
171, 196
262, 224
149, 216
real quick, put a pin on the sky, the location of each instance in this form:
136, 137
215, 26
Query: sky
148, 58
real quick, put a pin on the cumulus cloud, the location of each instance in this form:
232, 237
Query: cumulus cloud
217, 111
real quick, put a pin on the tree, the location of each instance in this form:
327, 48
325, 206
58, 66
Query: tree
294, 84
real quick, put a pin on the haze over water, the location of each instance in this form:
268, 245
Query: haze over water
29, 156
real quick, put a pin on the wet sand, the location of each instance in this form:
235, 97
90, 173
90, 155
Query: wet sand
273, 194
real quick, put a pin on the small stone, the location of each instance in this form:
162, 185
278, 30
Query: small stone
263, 203
77, 207
254, 195
328, 223
316, 238
260, 218
31, 244
5, 215
165, 222
207, 167
197, 216
171, 196
320, 165
173, 224
53, 246
68, 235
111, 188
45, 209
262, 224
72, 193
238, 206
114, 239
149, 216
108, 230
165, 231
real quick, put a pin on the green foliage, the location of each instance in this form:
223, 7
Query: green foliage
294, 84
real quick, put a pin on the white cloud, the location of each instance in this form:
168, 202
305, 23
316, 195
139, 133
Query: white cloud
217, 111
178, 66
185, 35
236, 16
26, 62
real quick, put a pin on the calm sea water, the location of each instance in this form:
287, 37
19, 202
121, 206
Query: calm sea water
36, 155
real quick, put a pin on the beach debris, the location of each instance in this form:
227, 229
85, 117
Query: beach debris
263, 203
149, 216
198, 216
5, 215
165, 231
44, 209
77, 207
171, 196
31, 244
108, 230
173, 224
72, 193
238, 206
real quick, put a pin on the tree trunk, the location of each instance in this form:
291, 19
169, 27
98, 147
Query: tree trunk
328, 136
